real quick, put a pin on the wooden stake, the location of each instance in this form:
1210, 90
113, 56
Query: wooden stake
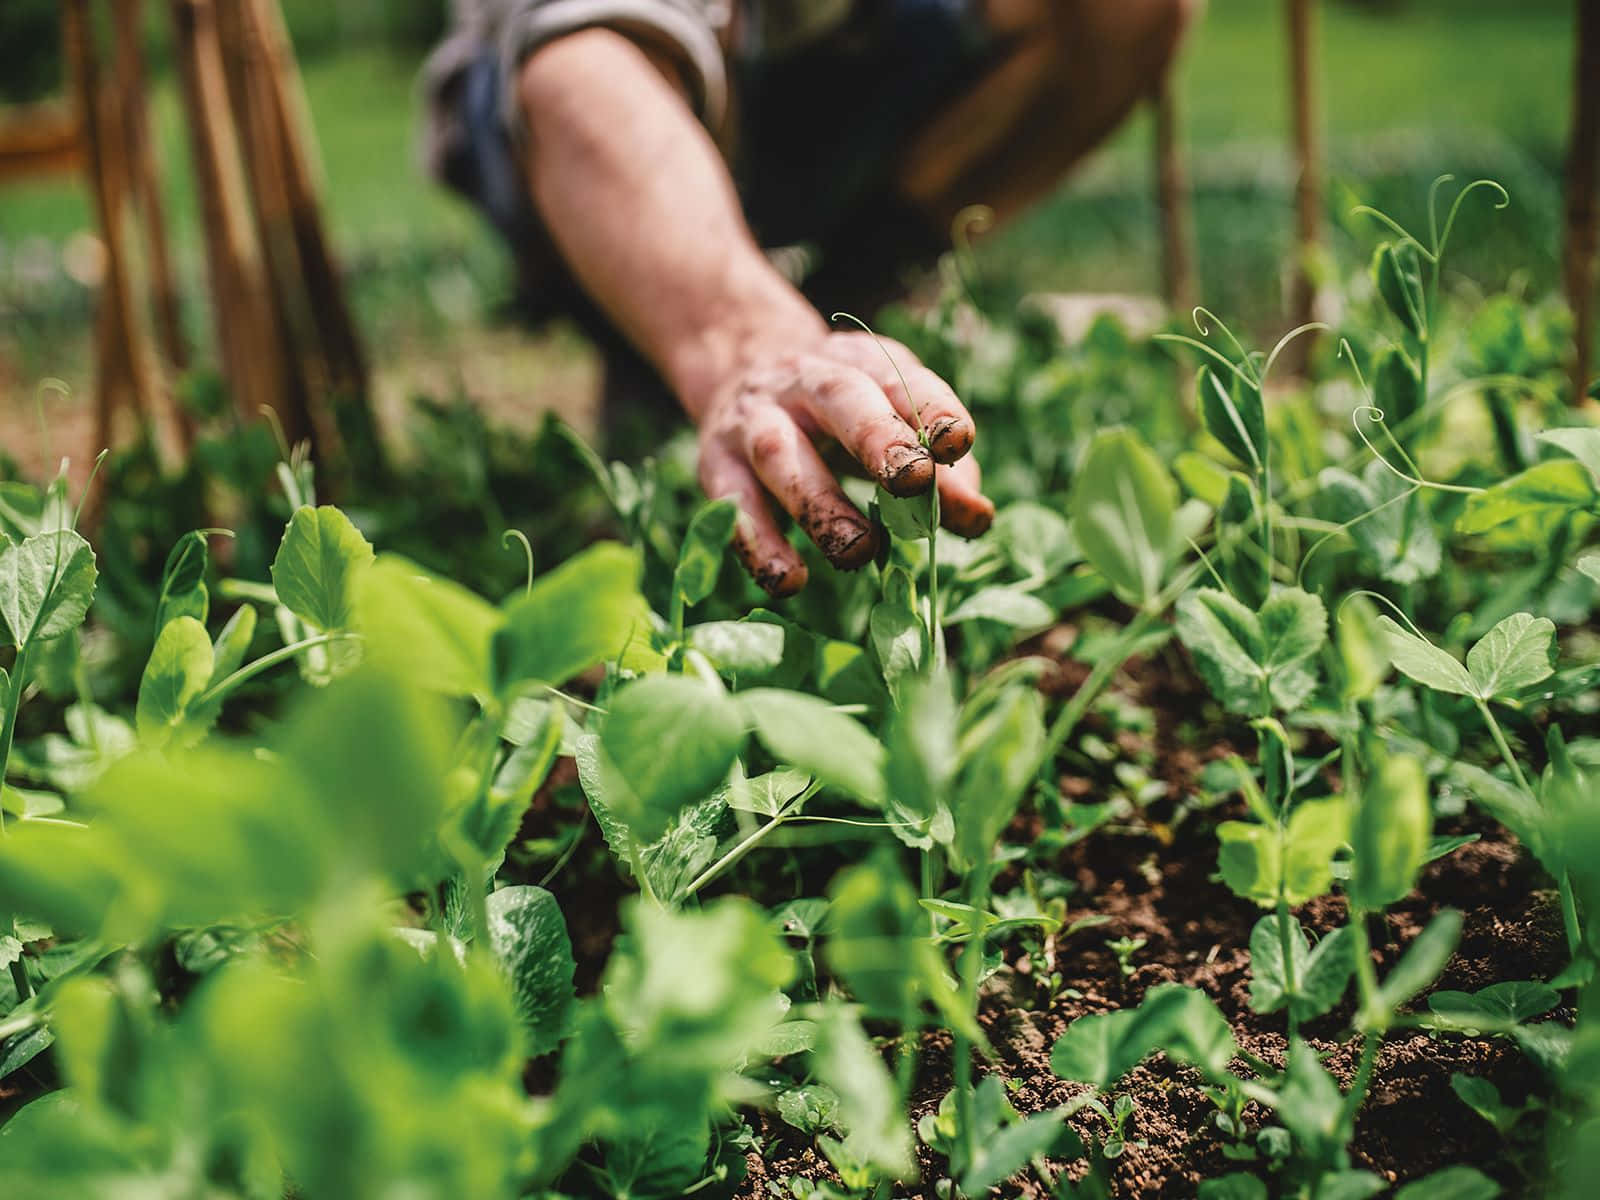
241, 299
1583, 207
146, 182
1172, 197
126, 370
285, 101
1308, 176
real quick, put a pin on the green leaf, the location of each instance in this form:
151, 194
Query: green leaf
812, 735
1009, 1148
1321, 975
907, 517
1424, 662
1308, 1103
1389, 833
1123, 508
1396, 387
899, 641
1451, 1183
1005, 605
1234, 415
1397, 271
1181, 1021
434, 630
179, 670
1497, 1004
1234, 1186
810, 1108
183, 590
738, 647
1582, 442
1514, 808
46, 585
1537, 499
704, 545
1387, 519
1255, 860
766, 795
871, 1109
1517, 653
529, 937
1424, 958
1483, 1098
672, 740
316, 565
1001, 750
581, 613
1038, 540
924, 753
1251, 660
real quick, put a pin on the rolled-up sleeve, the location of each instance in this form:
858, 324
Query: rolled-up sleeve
682, 28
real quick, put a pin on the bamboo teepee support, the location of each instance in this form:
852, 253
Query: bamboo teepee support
1302, 26
146, 184
1172, 198
1582, 258
241, 300
128, 372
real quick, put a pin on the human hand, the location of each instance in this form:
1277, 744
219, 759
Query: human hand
760, 423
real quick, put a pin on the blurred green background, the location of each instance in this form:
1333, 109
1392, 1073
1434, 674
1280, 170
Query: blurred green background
1410, 89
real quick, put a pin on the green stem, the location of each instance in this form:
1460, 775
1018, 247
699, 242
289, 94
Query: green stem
1075, 709
1503, 746
977, 896
19, 976
19, 677
636, 860
267, 661
748, 843
1286, 948
1367, 987
929, 889
1569, 915
935, 623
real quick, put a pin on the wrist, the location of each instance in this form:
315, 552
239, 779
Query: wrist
763, 318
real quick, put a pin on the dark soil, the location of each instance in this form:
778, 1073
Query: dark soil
1197, 934
1159, 883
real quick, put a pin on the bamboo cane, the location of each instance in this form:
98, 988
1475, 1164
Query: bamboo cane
1172, 197
1308, 176
247, 330
1582, 259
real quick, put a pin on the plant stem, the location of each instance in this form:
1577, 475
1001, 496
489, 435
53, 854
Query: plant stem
250, 670
1569, 915
19, 677
1504, 748
1286, 947
1367, 986
749, 842
19, 976
928, 889
1067, 719
977, 896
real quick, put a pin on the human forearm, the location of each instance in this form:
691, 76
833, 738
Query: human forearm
643, 210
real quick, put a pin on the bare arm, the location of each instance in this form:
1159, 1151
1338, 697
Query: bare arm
642, 208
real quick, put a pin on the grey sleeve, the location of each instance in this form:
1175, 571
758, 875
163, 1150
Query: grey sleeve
685, 28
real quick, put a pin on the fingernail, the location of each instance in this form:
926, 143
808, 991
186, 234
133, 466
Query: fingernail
846, 543
950, 438
907, 470
970, 522
779, 578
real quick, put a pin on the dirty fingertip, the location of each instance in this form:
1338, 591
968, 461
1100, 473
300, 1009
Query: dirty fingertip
950, 438
907, 470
